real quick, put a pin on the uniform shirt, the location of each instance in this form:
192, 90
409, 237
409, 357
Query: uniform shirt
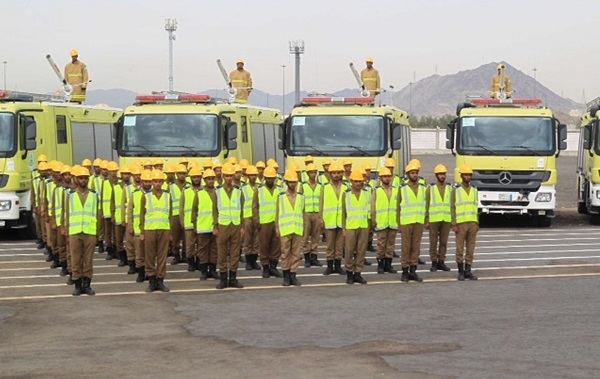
495, 87
241, 80
76, 74
371, 80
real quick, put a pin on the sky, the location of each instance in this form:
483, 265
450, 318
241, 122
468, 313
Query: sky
125, 45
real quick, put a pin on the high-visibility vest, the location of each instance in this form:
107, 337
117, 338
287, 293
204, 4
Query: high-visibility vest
357, 210
107, 193
204, 221
369, 190
291, 218
175, 192
439, 207
83, 218
466, 205
304, 177
311, 197
412, 207
189, 194
157, 212
323, 179
386, 209
58, 204
248, 192
118, 194
98, 184
50, 186
396, 182
35, 187
136, 198
230, 209
267, 204
128, 191
332, 207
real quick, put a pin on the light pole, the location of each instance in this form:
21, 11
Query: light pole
410, 98
4, 65
391, 95
171, 26
534, 82
297, 48
283, 89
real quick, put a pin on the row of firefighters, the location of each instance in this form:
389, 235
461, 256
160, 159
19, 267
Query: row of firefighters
206, 215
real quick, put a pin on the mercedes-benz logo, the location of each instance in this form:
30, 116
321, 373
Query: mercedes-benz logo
505, 178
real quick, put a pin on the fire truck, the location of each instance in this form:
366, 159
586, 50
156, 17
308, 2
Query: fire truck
31, 125
198, 127
512, 146
588, 166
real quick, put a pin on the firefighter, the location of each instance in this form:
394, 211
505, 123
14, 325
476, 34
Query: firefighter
106, 197
411, 211
289, 227
384, 220
250, 225
370, 78
244, 164
81, 225
237, 177
134, 212
311, 190
175, 190
465, 222
118, 215
128, 190
51, 185
347, 163
242, 81
158, 164
155, 221
365, 170
390, 164
264, 205
331, 219
307, 161
496, 80
228, 229
203, 217
36, 189
76, 74
188, 196
260, 167
56, 221
218, 169
438, 218
355, 222
325, 177
185, 162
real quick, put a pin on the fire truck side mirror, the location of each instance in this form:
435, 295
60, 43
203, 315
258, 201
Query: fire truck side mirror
28, 132
587, 132
396, 136
231, 135
282, 135
450, 135
562, 136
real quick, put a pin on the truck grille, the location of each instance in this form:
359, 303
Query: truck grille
496, 180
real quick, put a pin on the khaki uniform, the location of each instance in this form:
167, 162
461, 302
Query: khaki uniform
290, 243
156, 241
371, 80
242, 81
467, 232
357, 231
386, 236
440, 230
334, 236
229, 238
269, 244
189, 233
495, 87
96, 185
251, 244
207, 251
177, 232
76, 74
106, 196
312, 223
81, 245
412, 232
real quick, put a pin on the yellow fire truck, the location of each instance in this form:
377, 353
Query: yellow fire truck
198, 127
588, 166
512, 146
351, 127
62, 131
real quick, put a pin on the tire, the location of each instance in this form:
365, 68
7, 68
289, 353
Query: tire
581, 208
28, 233
595, 219
544, 221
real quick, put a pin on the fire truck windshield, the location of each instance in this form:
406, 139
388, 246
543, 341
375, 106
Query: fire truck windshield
7, 133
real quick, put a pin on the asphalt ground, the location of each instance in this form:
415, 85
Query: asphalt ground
531, 314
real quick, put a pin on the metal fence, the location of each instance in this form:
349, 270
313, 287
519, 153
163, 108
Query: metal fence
433, 141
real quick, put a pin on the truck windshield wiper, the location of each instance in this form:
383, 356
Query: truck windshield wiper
195, 153
357, 149
319, 152
151, 153
528, 149
485, 148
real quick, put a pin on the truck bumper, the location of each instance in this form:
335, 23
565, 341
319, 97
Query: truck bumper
540, 203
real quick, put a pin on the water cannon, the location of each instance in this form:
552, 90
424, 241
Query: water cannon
66, 87
231, 90
363, 91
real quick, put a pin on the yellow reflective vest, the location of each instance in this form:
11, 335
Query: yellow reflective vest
386, 209
83, 218
291, 219
357, 210
157, 215
466, 205
439, 207
229, 208
412, 206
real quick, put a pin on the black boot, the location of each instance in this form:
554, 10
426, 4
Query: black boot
404, 276
314, 261
70, 280
233, 282
396, 255
380, 265
434, 266
223, 281
307, 260
388, 266
349, 277
266, 273
359, 279
468, 274
132, 269
77, 290
242, 257
255, 265
329, 269
367, 262
191, 265
286, 278
442, 266
249, 265
370, 247
109, 253
413, 274
151, 284
421, 262
41, 244
55, 261
461, 271
48, 252
100, 245
176, 258
212, 271
63, 269
141, 275
273, 269
203, 271
160, 285
122, 258
337, 267
85, 287
170, 252
293, 280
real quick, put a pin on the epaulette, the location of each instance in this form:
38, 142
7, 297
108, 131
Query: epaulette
71, 191
456, 186
348, 190
91, 190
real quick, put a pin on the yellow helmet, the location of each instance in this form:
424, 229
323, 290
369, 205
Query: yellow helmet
217, 164
366, 167
308, 159
271, 161
147, 163
390, 162
158, 175
125, 170
136, 170
112, 166
42, 166
180, 169
75, 169
86, 163
260, 164
440, 169
196, 171
168, 169
97, 162
228, 169
295, 166
42, 158
369, 60
158, 161
244, 164
335, 167
232, 160
74, 53
311, 167
209, 173
347, 162
207, 164
82, 171
415, 161
465, 169
384, 171
65, 170
147, 175
357, 176
500, 66
240, 60
56, 166
326, 162
104, 165
251, 170
411, 167
183, 160
270, 172
290, 176
237, 168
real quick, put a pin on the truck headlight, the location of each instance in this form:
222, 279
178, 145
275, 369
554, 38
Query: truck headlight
597, 194
5, 205
543, 197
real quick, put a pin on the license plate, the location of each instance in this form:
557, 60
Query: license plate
2, 223
505, 197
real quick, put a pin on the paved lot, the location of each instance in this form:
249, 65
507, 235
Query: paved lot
532, 314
